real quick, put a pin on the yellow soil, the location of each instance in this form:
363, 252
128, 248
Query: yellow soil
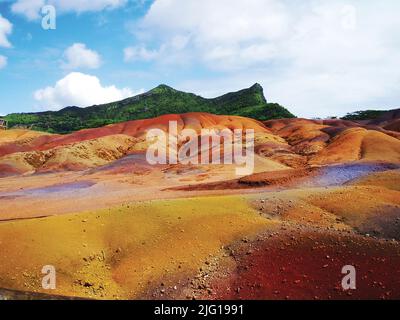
341, 208
90, 153
19, 136
86, 154
262, 137
387, 179
356, 204
378, 146
123, 251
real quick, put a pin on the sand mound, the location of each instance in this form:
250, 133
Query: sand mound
90, 153
373, 212
380, 147
345, 147
364, 209
293, 143
93, 147
124, 251
20, 136
75, 156
359, 144
305, 138
335, 141
138, 128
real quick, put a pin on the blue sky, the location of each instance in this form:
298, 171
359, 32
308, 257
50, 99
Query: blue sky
316, 57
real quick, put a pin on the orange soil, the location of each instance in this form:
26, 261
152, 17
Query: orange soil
387, 179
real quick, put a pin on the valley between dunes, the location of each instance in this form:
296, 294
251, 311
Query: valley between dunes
324, 194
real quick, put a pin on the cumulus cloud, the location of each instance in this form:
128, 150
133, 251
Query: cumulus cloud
79, 89
5, 31
79, 56
3, 61
31, 8
223, 32
317, 57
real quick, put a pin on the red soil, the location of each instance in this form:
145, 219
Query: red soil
393, 126
307, 265
6, 170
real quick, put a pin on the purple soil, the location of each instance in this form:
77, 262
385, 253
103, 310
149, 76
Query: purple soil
55, 188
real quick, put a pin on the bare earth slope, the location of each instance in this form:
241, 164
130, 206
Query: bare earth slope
324, 194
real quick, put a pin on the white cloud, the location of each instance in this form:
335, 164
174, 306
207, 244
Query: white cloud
222, 33
3, 61
317, 57
84, 5
28, 8
78, 89
31, 8
139, 53
169, 52
79, 56
5, 30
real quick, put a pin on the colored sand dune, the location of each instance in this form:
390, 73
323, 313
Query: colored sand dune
324, 194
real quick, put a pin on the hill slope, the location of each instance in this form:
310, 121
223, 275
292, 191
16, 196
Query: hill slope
95, 147
284, 143
158, 101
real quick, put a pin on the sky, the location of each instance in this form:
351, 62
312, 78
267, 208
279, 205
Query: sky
318, 58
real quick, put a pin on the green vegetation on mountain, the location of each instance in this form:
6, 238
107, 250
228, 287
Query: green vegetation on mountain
364, 115
161, 100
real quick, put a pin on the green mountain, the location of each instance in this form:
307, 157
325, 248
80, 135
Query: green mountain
158, 101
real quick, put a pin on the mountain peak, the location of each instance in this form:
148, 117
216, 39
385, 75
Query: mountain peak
256, 86
162, 88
